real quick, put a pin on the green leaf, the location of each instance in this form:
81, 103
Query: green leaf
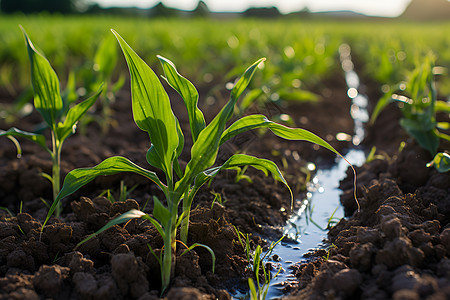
38, 138
123, 218
297, 95
204, 151
105, 58
151, 110
74, 114
427, 138
239, 160
381, 104
244, 81
260, 121
161, 213
47, 97
251, 286
79, 177
189, 94
441, 162
442, 106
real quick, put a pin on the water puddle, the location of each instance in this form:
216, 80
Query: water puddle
307, 228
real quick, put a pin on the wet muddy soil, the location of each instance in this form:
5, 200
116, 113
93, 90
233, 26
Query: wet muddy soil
397, 245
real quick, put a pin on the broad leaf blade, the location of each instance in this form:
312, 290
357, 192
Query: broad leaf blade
260, 121
204, 151
74, 114
189, 94
239, 160
47, 97
38, 138
427, 138
123, 218
161, 213
151, 109
79, 177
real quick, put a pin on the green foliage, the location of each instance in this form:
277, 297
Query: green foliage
419, 107
48, 102
441, 162
255, 260
153, 114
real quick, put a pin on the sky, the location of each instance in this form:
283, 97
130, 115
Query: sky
387, 8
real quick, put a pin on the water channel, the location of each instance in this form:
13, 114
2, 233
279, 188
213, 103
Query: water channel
306, 228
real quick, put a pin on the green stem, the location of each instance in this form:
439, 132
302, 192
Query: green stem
168, 261
56, 170
187, 201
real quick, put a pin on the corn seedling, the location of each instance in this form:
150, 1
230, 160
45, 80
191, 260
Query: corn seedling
152, 113
48, 102
419, 110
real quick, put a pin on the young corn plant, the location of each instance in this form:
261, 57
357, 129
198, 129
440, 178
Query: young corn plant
48, 102
419, 110
153, 114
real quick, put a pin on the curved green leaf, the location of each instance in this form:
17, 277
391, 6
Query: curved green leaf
38, 138
441, 162
204, 151
260, 121
161, 213
239, 160
47, 97
79, 177
123, 218
427, 138
189, 94
74, 114
151, 110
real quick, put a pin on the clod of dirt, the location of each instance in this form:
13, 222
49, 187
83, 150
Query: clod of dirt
395, 243
50, 280
129, 274
17, 287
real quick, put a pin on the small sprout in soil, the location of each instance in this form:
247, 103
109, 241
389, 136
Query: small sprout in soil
327, 257
153, 114
441, 162
218, 198
48, 102
124, 193
255, 260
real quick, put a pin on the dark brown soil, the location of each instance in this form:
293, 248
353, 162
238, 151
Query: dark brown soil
117, 264
397, 245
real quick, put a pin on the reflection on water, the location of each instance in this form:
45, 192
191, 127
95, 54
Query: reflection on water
321, 208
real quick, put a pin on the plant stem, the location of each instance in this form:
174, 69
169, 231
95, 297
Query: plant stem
56, 170
185, 222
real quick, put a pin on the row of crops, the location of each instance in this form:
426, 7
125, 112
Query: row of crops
299, 53
403, 62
